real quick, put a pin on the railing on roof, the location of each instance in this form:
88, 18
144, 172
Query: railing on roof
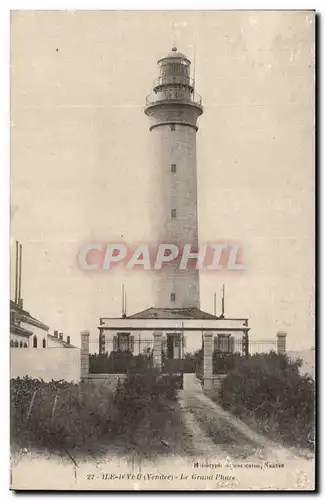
174, 95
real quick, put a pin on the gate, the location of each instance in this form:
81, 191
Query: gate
174, 358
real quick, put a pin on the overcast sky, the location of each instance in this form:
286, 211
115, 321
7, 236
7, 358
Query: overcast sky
80, 162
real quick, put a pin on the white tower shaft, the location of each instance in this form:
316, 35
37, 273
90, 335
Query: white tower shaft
173, 109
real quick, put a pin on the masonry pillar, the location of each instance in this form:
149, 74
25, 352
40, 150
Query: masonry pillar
207, 362
84, 354
281, 342
157, 340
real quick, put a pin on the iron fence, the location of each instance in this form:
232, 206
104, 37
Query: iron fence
229, 352
124, 352
124, 343
174, 95
227, 344
262, 346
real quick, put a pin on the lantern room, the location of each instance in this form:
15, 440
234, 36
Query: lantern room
174, 81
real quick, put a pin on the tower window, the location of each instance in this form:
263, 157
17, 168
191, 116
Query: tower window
34, 341
173, 213
173, 297
173, 127
173, 168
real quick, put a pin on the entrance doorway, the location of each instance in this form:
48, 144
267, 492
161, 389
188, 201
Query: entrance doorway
170, 346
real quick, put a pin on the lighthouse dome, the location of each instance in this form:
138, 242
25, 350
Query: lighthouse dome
174, 54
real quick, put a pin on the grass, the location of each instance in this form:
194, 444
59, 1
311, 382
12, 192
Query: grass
89, 419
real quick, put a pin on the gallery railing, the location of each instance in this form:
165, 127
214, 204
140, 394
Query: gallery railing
174, 95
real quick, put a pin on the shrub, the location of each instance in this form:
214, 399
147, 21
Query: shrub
270, 389
62, 414
225, 362
142, 393
119, 362
58, 415
149, 413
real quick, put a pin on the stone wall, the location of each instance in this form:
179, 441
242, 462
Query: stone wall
48, 364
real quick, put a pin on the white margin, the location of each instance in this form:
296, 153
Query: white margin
5, 7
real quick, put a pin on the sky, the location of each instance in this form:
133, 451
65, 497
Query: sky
80, 162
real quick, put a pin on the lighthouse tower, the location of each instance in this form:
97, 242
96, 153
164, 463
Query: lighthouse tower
173, 108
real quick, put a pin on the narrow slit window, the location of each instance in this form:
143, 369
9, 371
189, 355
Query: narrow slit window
173, 168
174, 213
173, 297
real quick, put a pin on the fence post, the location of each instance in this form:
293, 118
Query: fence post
207, 362
281, 342
245, 344
157, 339
84, 354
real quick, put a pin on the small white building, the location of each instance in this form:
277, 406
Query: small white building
25, 329
182, 331
57, 340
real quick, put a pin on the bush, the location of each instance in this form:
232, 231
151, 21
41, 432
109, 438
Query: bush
149, 413
62, 414
143, 393
225, 362
58, 415
270, 389
119, 362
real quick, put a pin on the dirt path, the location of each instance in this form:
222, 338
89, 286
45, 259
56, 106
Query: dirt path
218, 433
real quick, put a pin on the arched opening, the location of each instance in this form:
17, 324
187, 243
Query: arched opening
21, 344
34, 341
16, 343
11, 343
25, 344
44, 343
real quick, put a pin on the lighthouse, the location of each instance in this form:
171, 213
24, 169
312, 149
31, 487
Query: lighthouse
174, 318
173, 108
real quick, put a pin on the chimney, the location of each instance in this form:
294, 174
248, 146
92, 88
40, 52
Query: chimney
61, 336
55, 334
19, 279
16, 273
68, 339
